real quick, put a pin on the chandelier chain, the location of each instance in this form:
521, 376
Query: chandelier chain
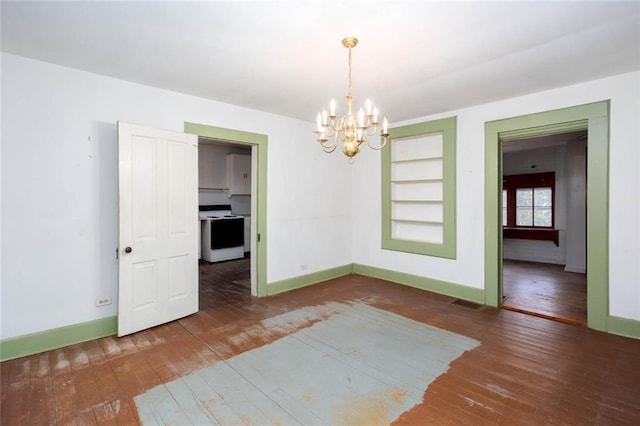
349, 72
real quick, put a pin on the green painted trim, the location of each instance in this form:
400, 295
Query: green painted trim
224, 134
446, 126
598, 222
423, 283
623, 327
308, 279
595, 118
260, 141
57, 338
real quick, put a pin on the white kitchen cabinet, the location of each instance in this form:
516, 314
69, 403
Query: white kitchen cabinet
239, 174
212, 167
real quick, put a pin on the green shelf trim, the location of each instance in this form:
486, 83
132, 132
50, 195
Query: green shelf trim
447, 249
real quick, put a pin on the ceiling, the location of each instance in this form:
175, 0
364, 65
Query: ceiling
414, 58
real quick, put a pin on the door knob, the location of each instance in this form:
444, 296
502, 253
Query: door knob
128, 250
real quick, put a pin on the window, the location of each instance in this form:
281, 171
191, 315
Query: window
418, 189
527, 206
527, 200
534, 207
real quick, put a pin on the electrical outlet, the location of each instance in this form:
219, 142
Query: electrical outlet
303, 267
104, 301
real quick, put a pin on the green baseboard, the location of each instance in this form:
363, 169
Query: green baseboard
308, 279
623, 327
423, 283
59, 337
55, 338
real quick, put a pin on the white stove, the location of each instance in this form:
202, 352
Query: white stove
222, 233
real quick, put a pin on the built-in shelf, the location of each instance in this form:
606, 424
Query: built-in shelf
417, 160
407, 201
419, 222
213, 189
438, 180
417, 183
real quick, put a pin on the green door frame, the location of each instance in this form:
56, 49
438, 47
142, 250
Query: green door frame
594, 118
260, 141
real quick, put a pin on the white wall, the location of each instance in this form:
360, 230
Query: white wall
59, 194
576, 241
212, 173
468, 268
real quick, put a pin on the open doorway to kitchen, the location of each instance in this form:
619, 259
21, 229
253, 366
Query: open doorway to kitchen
544, 183
232, 203
224, 199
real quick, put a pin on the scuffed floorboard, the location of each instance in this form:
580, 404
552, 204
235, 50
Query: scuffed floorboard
360, 366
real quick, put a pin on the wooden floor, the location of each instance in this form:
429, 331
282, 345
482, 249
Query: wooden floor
527, 370
545, 290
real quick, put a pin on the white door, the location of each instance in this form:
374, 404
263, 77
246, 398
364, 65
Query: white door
158, 229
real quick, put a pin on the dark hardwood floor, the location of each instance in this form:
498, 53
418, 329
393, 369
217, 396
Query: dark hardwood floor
545, 290
527, 370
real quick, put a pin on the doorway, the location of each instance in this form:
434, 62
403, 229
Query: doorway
225, 191
257, 144
544, 226
594, 118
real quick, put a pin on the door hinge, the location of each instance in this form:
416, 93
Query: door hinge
258, 237
117, 253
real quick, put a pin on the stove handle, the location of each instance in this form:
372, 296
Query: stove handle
128, 250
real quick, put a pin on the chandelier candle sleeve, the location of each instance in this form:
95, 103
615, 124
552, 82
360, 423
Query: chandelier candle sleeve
350, 130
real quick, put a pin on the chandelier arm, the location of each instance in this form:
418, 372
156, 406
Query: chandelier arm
333, 129
371, 130
336, 126
329, 147
328, 150
332, 146
378, 148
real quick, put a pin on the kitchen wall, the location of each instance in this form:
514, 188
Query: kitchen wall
212, 177
468, 267
59, 189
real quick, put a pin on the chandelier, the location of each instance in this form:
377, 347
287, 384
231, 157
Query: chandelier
350, 129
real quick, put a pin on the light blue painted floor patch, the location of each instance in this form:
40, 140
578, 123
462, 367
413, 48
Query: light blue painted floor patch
360, 366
